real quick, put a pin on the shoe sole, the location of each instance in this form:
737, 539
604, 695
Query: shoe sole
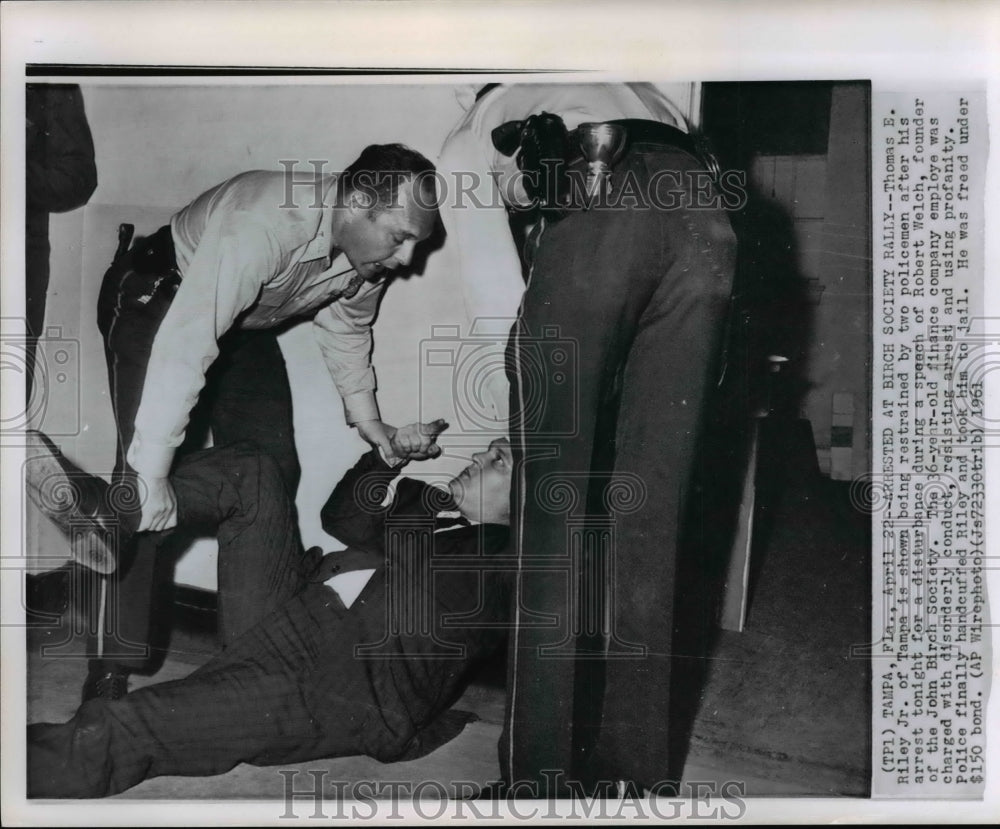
103, 690
51, 489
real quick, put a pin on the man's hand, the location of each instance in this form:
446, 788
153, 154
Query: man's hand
378, 434
159, 509
418, 441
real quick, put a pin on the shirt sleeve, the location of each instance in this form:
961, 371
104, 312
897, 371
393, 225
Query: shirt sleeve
235, 256
475, 220
343, 331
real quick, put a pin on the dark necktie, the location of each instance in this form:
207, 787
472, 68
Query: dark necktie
351, 288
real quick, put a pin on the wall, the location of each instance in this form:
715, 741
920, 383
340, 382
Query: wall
826, 199
160, 146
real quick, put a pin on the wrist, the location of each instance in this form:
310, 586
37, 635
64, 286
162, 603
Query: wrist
392, 461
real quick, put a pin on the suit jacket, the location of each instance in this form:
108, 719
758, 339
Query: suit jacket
435, 609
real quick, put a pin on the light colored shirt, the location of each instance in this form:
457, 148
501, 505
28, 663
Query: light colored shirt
254, 253
348, 586
476, 173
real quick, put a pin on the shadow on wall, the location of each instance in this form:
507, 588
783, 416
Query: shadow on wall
771, 314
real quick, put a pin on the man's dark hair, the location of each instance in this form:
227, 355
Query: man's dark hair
379, 171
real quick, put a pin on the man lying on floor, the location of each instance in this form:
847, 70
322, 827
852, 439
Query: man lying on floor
331, 672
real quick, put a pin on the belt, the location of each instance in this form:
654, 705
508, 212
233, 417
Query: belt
638, 131
655, 133
545, 138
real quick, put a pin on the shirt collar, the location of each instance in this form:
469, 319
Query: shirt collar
321, 245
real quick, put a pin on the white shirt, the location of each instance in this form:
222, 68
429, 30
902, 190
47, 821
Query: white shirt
476, 219
255, 253
348, 586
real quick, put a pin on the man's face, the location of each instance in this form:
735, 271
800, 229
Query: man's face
375, 240
482, 489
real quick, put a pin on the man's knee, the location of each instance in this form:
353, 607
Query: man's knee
266, 467
256, 475
221, 482
274, 472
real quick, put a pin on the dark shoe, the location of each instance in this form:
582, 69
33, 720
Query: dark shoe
76, 501
47, 594
105, 684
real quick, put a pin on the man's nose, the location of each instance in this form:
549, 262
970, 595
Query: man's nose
405, 253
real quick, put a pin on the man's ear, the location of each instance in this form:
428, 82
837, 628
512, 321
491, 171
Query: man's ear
361, 200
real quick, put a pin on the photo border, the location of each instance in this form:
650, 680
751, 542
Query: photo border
894, 45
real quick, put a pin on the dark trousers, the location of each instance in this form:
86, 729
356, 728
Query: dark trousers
246, 398
36, 288
249, 705
610, 364
290, 689
246, 703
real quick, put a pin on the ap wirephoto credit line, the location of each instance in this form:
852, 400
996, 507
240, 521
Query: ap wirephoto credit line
933, 344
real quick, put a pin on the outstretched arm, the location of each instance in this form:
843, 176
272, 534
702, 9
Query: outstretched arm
354, 512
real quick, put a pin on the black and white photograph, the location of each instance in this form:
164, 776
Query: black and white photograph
519, 439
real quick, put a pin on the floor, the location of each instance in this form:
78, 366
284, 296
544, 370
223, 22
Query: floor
782, 707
